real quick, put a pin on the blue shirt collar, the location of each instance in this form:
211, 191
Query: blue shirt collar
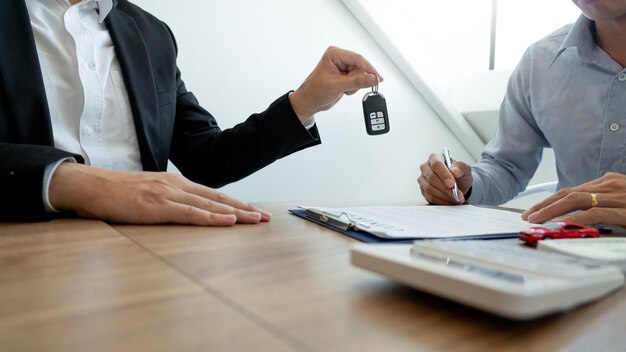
581, 37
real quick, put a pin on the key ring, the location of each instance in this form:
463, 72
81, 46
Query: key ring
375, 88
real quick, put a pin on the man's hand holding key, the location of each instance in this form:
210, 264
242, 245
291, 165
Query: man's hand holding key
339, 72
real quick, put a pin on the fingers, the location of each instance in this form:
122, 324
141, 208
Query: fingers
462, 173
552, 199
570, 196
346, 61
188, 214
141, 198
171, 198
186, 208
612, 200
612, 216
356, 72
351, 84
609, 182
212, 206
211, 200
544, 203
339, 72
438, 166
610, 208
233, 202
434, 195
437, 182
571, 202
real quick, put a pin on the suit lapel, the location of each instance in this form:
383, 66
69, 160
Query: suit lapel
20, 73
137, 70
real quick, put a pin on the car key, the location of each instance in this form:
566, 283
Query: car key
375, 112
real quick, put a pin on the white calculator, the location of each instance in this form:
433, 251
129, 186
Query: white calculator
500, 277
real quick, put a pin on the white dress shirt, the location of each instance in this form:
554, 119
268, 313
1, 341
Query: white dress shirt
89, 106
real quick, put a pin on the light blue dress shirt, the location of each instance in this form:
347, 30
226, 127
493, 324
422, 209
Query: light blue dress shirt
566, 94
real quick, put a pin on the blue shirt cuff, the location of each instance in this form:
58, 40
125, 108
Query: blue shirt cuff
477, 189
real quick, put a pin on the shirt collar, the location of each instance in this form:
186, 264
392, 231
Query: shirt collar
104, 7
581, 37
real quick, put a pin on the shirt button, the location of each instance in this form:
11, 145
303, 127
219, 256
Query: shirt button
614, 127
622, 77
85, 65
89, 131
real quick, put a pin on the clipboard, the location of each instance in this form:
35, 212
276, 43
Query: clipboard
346, 226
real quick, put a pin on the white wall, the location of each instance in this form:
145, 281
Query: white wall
238, 56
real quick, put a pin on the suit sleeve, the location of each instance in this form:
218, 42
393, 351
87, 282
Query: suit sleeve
21, 180
207, 155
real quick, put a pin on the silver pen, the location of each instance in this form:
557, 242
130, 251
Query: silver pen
448, 160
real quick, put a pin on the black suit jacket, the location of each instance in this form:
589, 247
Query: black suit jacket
170, 123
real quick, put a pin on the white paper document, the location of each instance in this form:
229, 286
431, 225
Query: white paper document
427, 221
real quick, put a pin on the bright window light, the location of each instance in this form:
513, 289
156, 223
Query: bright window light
522, 22
450, 37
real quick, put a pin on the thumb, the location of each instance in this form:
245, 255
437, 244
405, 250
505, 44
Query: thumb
352, 83
457, 172
462, 172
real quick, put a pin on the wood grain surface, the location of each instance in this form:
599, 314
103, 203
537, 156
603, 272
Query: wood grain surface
81, 285
296, 277
78, 285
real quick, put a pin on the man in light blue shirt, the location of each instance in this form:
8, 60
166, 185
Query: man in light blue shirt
567, 93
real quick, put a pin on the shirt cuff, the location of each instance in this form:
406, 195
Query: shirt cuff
308, 124
477, 189
47, 178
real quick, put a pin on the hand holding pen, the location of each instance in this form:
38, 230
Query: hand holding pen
444, 181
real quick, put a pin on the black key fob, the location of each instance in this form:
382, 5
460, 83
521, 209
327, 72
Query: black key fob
375, 113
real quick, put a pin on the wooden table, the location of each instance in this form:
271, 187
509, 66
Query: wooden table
83, 285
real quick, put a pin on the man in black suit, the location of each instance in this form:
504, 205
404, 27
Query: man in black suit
56, 157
